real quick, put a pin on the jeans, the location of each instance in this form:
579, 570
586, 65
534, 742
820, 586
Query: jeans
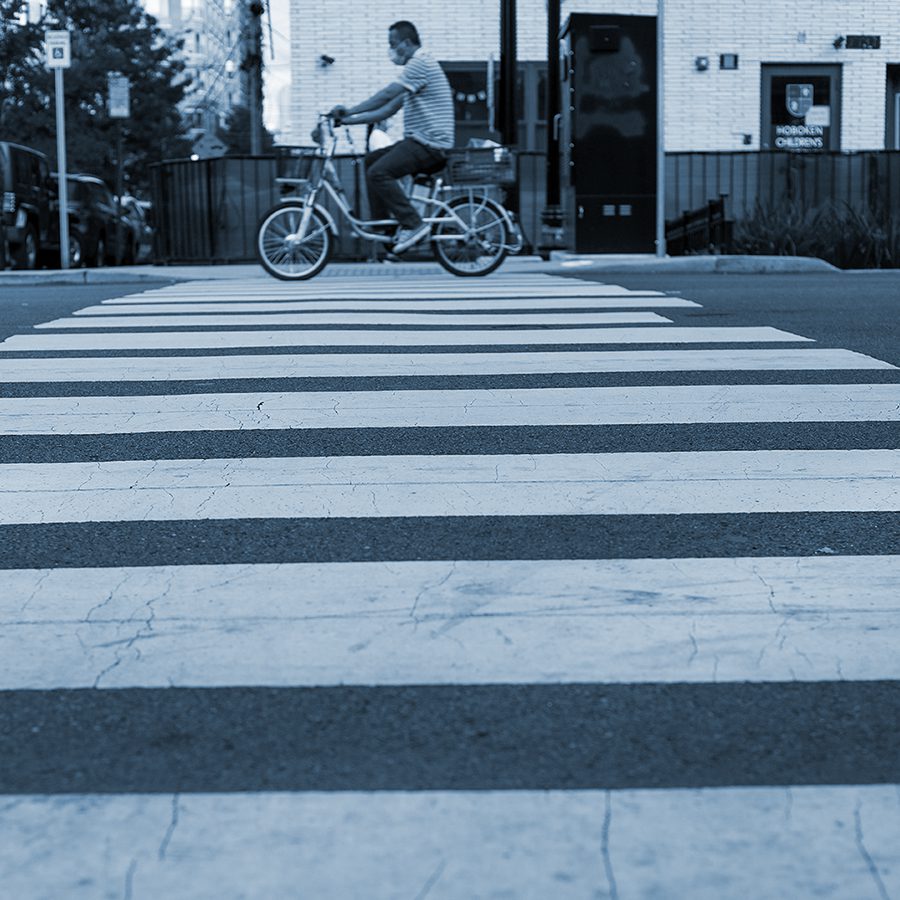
385, 166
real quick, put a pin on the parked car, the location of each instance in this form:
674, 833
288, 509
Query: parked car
92, 221
138, 215
27, 209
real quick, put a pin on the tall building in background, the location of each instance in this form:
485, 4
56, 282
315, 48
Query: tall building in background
211, 31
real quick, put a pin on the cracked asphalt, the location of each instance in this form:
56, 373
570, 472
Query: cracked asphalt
507, 736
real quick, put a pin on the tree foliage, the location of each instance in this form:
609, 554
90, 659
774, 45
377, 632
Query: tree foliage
107, 36
236, 134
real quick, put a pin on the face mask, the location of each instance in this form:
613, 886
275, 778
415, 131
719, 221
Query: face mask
396, 56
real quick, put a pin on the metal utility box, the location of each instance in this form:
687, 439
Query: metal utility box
608, 138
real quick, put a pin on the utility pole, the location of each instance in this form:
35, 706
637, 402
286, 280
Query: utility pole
252, 65
508, 118
660, 129
551, 217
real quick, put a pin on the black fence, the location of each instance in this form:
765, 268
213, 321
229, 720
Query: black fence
208, 210
863, 181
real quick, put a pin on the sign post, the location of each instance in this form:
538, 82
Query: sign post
58, 45
119, 108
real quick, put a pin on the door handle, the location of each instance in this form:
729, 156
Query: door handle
556, 122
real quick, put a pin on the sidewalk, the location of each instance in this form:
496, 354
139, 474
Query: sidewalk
559, 264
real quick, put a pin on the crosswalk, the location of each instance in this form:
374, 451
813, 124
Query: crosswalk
380, 588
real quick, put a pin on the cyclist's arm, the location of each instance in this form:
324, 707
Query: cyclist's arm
376, 101
375, 115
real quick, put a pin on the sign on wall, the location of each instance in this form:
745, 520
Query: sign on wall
799, 113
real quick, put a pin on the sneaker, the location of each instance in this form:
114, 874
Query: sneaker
406, 237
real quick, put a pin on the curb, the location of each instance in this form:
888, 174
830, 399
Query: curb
755, 265
78, 277
559, 264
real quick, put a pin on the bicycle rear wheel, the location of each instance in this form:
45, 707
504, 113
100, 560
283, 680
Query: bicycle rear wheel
483, 241
279, 250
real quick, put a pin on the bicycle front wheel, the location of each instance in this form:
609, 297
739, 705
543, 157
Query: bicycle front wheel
283, 253
483, 237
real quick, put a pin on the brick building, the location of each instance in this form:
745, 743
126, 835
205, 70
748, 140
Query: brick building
731, 66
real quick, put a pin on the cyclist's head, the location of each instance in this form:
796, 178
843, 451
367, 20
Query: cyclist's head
403, 41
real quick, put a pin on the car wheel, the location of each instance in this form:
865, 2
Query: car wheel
27, 254
76, 252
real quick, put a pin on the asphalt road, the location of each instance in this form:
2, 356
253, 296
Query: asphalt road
463, 737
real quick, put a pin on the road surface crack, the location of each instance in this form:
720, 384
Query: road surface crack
604, 849
173, 824
864, 853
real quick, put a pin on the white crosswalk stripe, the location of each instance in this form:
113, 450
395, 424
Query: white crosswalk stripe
395, 621
412, 486
446, 408
334, 365
345, 705
424, 306
271, 320
348, 337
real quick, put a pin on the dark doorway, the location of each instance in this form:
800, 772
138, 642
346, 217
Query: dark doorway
892, 133
801, 108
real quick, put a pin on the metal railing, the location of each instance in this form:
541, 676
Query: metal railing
208, 210
865, 180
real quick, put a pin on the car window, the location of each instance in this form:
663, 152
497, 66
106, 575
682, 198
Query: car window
78, 191
22, 167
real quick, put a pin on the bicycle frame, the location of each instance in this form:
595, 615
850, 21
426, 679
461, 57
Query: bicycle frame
327, 178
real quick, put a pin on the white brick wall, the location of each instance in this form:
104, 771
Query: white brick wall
709, 110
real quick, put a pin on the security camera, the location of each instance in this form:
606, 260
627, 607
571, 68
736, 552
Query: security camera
326, 60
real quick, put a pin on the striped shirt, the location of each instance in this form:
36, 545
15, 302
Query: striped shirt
428, 105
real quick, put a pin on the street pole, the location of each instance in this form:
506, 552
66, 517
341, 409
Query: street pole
508, 119
61, 170
551, 217
253, 63
119, 89
120, 186
660, 130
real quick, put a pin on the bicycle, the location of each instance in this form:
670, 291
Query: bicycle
471, 233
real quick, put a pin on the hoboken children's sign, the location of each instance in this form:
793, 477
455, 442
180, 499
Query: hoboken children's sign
799, 137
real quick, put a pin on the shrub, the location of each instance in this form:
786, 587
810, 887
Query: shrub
843, 235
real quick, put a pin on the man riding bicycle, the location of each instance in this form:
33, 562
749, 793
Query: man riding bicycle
422, 90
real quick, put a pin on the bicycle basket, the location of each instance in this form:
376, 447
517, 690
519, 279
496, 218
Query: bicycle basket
481, 165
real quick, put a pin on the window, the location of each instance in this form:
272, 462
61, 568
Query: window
468, 82
801, 108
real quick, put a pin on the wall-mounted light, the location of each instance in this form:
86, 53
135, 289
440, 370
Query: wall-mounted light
838, 42
325, 60
701, 63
